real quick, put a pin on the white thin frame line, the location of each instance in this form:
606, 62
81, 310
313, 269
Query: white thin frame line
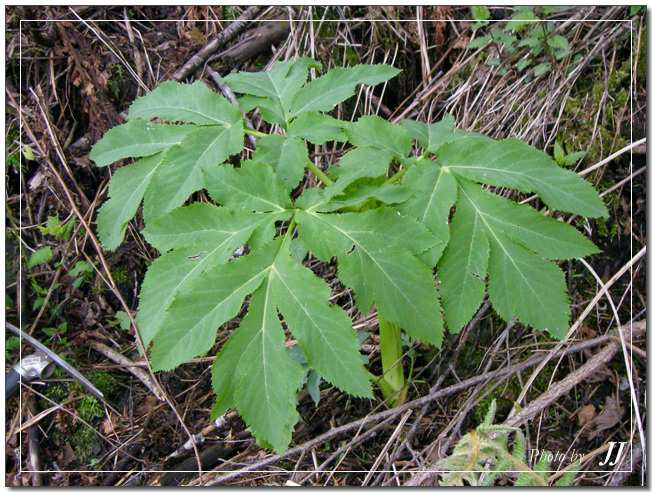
631, 25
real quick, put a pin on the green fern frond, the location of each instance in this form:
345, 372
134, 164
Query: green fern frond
567, 479
482, 456
491, 414
519, 447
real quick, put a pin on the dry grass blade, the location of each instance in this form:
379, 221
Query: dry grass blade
390, 441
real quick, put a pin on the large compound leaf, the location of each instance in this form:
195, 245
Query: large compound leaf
431, 136
280, 83
317, 128
375, 252
126, 191
202, 237
323, 331
325, 92
385, 255
184, 150
357, 163
435, 192
463, 267
199, 310
180, 173
274, 89
255, 357
189, 103
270, 110
202, 225
137, 138
255, 372
523, 284
287, 156
373, 131
515, 164
488, 231
545, 236
364, 191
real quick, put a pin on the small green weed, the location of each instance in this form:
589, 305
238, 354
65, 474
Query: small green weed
526, 40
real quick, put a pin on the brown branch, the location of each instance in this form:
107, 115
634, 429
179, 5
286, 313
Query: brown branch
123, 361
220, 40
559, 389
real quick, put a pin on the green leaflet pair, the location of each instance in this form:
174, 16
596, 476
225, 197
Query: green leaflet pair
388, 231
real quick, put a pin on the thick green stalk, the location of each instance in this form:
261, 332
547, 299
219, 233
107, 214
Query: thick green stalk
316, 171
255, 133
391, 351
320, 174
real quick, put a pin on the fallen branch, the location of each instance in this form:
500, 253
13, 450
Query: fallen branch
220, 40
559, 389
261, 38
144, 377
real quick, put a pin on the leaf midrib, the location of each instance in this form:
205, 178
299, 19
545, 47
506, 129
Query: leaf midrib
193, 111
343, 364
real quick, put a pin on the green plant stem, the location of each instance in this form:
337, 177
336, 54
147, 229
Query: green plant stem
315, 170
288, 234
400, 174
391, 350
395, 178
320, 174
255, 133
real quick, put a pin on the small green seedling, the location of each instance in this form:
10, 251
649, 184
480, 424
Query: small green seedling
380, 211
525, 37
58, 229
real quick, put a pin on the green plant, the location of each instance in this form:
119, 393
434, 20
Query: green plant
57, 332
566, 160
381, 212
42, 255
636, 9
11, 343
82, 271
524, 30
57, 229
482, 456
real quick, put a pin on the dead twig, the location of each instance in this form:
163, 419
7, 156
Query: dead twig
117, 357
